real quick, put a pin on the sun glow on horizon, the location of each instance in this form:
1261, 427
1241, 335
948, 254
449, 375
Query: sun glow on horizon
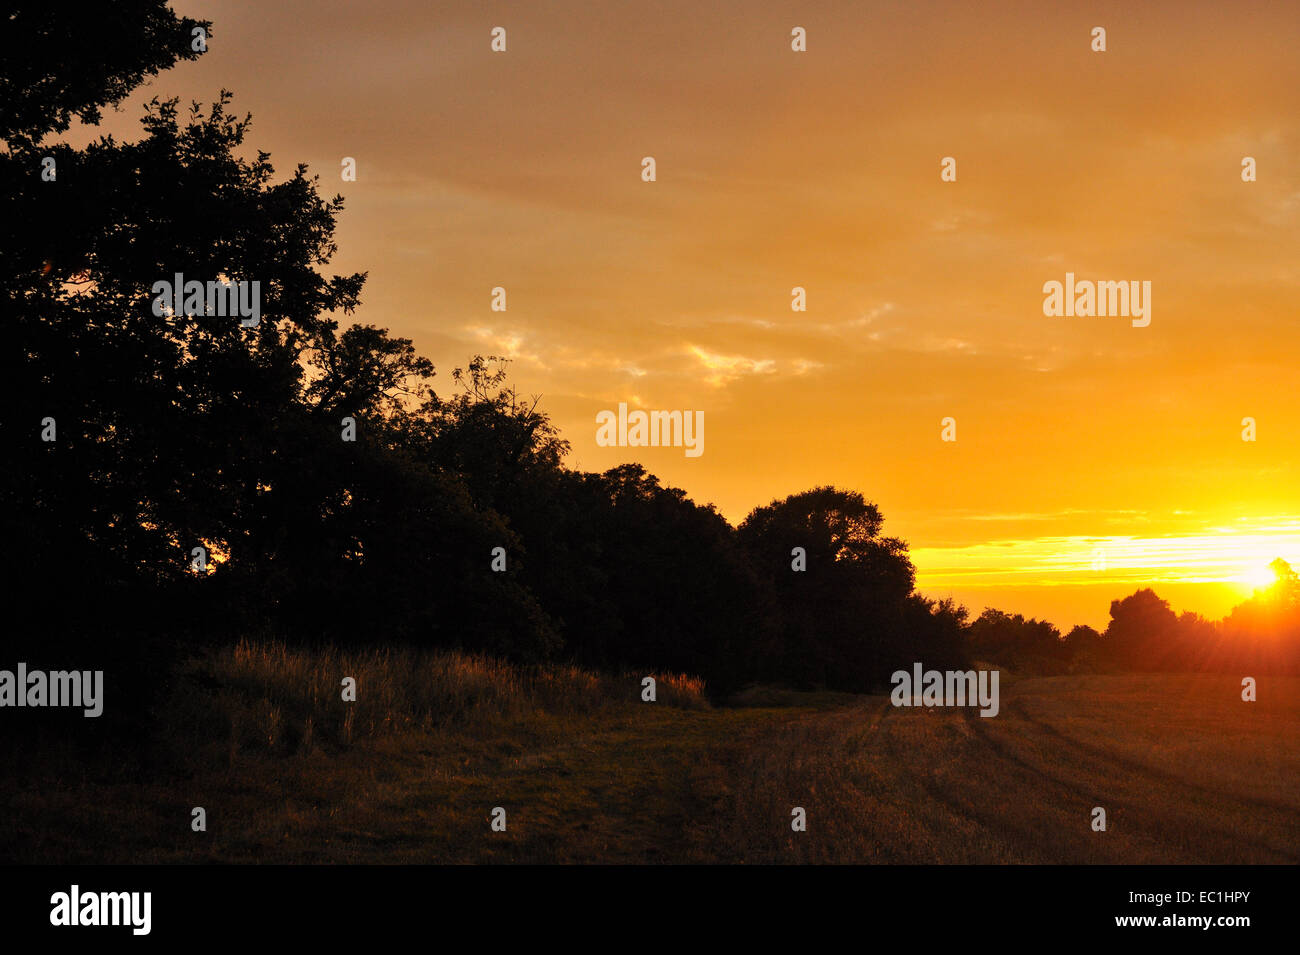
1217, 562
1259, 578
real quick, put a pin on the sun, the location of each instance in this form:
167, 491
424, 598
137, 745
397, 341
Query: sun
1258, 577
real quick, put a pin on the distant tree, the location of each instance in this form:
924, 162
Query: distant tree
841, 622
1197, 645
935, 631
669, 586
498, 440
1286, 587
1263, 633
1083, 648
1016, 642
1143, 632
1260, 635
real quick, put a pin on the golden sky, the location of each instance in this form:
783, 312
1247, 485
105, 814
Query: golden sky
1092, 457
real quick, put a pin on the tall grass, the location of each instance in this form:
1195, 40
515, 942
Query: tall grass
269, 697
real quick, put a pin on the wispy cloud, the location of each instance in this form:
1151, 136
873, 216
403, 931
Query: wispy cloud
723, 369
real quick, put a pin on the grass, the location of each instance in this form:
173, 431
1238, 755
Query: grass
268, 698
259, 736
1186, 772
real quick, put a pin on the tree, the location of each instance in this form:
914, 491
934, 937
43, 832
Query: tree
1142, 633
56, 62
1263, 633
1014, 641
499, 442
167, 424
840, 621
935, 631
1083, 647
184, 430
1286, 587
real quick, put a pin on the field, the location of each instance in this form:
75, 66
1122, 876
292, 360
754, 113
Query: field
288, 773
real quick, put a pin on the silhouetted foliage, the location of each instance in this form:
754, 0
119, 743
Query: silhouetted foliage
1083, 647
842, 622
186, 430
1016, 642
56, 62
1261, 635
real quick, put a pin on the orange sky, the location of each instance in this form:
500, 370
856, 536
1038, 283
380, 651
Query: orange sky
1091, 458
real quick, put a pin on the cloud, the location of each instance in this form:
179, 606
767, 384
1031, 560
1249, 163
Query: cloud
727, 368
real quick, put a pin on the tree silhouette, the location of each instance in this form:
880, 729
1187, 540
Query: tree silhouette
840, 622
56, 63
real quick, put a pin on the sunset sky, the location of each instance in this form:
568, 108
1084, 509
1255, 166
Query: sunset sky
1092, 457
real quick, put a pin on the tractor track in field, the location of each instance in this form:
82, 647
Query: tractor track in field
1098, 754
1093, 761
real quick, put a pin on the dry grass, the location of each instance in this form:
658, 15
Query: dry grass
410, 773
1186, 771
268, 698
